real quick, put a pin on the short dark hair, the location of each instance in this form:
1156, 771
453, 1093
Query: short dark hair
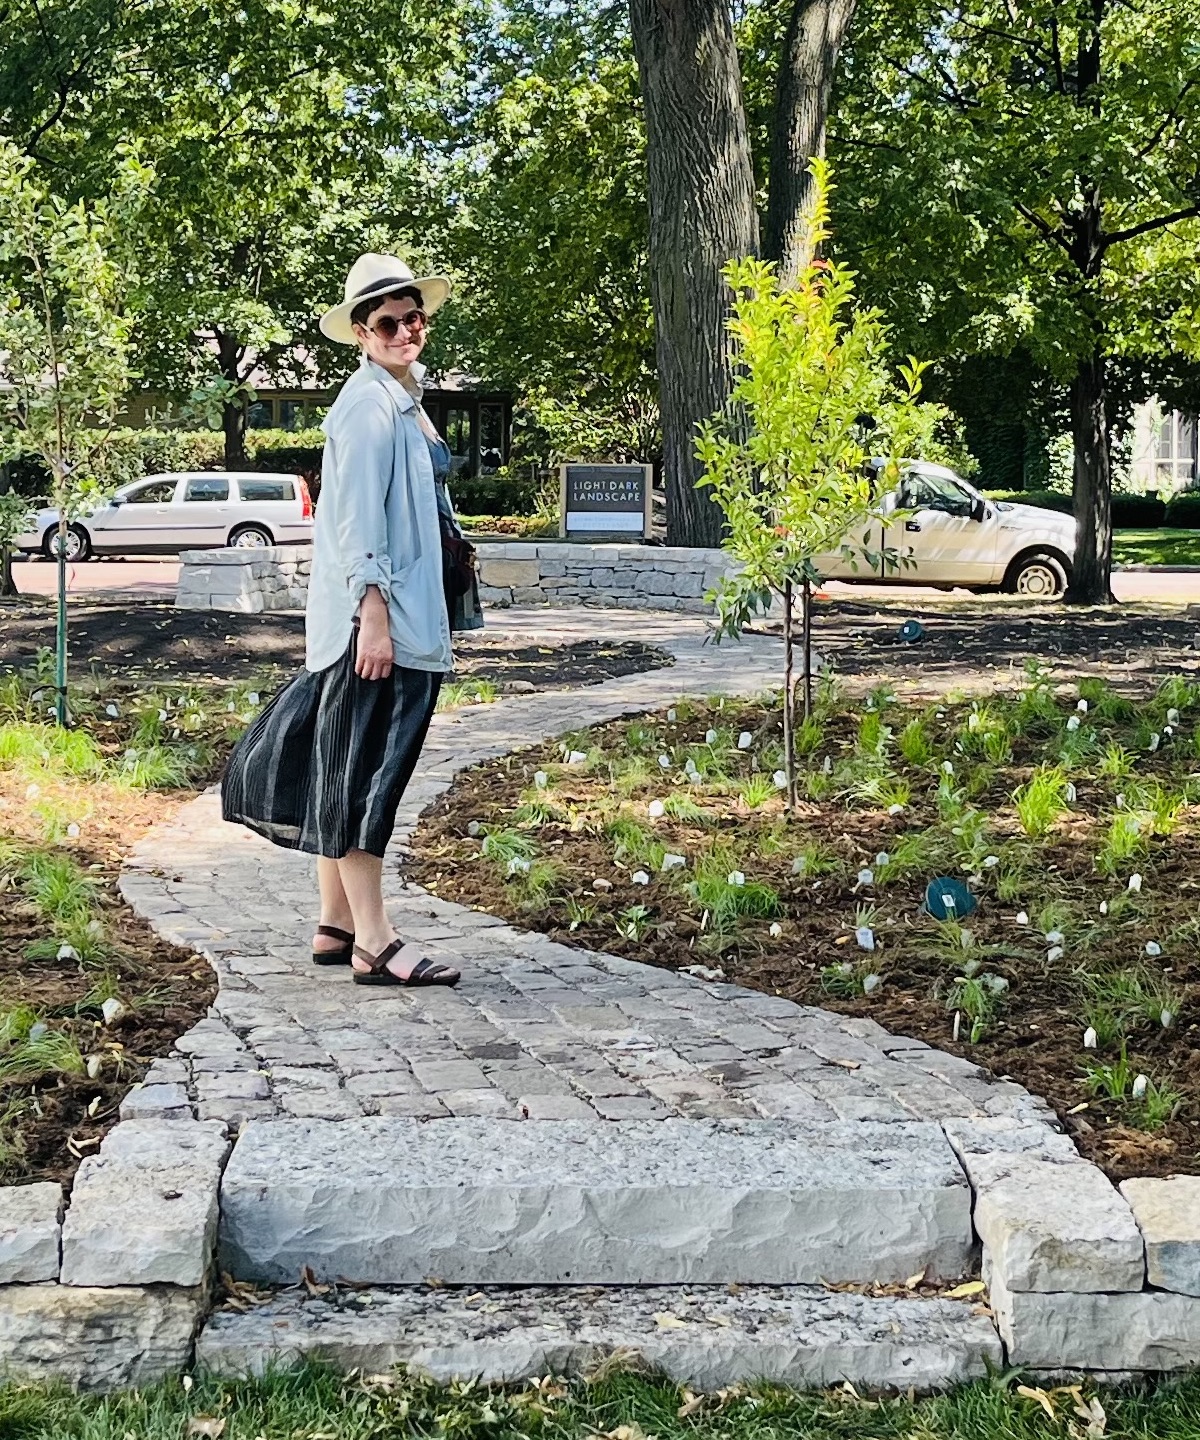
363, 311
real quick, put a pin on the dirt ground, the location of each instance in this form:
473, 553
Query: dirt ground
154, 641
968, 642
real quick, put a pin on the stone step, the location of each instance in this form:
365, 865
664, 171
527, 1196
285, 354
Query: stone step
392, 1201
801, 1335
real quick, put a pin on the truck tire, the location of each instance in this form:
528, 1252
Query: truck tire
1040, 575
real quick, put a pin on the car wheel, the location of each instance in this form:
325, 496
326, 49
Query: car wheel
79, 543
1040, 577
250, 537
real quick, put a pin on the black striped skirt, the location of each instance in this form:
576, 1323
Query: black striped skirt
323, 768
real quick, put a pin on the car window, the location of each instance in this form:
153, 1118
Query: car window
933, 492
266, 489
207, 489
159, 492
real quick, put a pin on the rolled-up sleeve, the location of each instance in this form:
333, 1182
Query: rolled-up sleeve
366, 449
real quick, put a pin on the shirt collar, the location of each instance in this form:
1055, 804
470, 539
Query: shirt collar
403, 397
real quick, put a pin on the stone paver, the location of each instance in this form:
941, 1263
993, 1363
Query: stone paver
30, 1227
802, 1336
537, 1031
1168, 1215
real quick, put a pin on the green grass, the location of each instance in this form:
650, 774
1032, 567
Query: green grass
1156, 547
312, 1403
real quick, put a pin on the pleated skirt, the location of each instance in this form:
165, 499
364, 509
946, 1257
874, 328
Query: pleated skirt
325, 765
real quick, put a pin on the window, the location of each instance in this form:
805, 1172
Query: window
491, 436
260, 415
158, 492
291, 415
1175, 464
266, 490
934, 492
457, 431
207, 489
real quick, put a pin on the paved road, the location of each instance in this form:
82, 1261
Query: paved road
157, 578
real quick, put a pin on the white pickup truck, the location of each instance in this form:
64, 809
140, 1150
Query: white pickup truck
954, 536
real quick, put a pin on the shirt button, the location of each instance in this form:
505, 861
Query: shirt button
370, 556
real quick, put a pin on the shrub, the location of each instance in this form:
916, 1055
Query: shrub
1183, 511
1137, 512
1044, 499
506, 492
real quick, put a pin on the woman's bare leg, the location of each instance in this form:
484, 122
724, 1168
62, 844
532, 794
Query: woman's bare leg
362, 880
335, 907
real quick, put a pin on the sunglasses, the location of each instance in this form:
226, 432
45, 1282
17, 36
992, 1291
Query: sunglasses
389, 326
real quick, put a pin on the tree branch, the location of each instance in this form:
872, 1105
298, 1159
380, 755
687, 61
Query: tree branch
1168, 120
1048, 231
1147, 226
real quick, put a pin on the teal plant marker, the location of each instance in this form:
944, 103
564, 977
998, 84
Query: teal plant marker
949, 899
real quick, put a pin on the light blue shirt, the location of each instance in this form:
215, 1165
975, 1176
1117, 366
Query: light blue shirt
377, 524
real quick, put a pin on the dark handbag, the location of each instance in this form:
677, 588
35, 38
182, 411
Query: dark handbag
458, 561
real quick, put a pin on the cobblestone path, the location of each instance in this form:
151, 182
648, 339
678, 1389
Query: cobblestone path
537, 1030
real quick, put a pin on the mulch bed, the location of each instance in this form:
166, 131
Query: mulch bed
168, 990
154, 641
1035, 1037
967, 640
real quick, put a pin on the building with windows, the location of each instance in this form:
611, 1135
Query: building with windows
1166, 454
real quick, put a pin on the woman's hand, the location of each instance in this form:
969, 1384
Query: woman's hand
373, 659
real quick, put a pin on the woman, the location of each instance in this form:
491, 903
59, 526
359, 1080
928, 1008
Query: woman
325, 765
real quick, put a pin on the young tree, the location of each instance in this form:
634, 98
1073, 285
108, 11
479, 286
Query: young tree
1026, 179
785, 459
64, 343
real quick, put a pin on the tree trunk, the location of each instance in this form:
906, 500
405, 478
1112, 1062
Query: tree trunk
233, 412
789, 697
1092, 487
816, 30
8, 586
702, 214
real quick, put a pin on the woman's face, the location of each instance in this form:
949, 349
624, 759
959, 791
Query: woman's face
394, 335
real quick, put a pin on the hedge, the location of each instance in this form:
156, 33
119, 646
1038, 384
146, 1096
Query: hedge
1129, 512
1183, 511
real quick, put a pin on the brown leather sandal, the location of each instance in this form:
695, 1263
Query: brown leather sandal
334, 957
424, 972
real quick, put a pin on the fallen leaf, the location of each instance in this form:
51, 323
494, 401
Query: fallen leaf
914, 1280
309, 1280
206, 1425
691, 1403
960, 1292
666, 1321
1031, 1392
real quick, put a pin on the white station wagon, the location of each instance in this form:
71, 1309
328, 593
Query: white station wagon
164, 514
954, 536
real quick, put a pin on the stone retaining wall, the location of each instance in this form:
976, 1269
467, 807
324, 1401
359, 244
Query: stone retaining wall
540, 572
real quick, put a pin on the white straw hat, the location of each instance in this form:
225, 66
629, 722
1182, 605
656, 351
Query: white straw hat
372, 275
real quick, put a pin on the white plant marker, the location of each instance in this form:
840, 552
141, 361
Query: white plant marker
473, 828
777, 930
1054, 937
111, 711
827, 766
1153, 948
865, 877
957, 1025
72, 831
1172, 717
1082, 707
990, 862
1140, 1086
639, 877
112, 1010
735, 878
1071, 793
94, 1066
68, 952
745, 740
1054, 953
865, 937
710, 737
541, 779
871, 983
780, 780
896, 809
674, 862
1090, 1039
1167, 1019
664, 762
1073, 723
576, 757
1022, 918
799, 864
882, 858
1155, 742
672, 716
518, 865
656, 809
1135, 882
253, 697
1104, 907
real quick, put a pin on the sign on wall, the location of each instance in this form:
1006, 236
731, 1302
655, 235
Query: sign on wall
605, 499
